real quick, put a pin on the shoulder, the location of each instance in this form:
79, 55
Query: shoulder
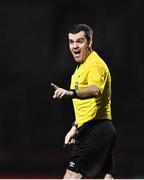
98, 63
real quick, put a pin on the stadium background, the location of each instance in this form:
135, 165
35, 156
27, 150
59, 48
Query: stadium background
34, 52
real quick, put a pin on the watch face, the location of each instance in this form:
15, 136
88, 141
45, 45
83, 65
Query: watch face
76, 85
74, 124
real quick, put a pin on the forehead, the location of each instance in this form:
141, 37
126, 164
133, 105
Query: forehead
78, 35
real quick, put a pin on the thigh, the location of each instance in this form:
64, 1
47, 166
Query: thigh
109, 164
92, 146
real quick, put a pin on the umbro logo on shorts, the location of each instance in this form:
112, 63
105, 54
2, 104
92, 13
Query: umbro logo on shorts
71, 164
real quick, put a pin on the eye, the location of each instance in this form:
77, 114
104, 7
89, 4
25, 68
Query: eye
80, 41
71, 42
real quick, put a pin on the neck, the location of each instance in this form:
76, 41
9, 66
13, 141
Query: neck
88, 52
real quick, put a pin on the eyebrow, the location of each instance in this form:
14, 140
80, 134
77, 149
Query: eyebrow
77, 39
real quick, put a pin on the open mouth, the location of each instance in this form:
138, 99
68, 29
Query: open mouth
76, 53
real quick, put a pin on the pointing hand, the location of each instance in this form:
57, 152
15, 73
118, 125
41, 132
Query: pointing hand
60, 92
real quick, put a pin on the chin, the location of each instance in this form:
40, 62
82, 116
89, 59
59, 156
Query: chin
78, 60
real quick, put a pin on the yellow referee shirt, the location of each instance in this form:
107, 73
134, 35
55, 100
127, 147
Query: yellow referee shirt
93, 71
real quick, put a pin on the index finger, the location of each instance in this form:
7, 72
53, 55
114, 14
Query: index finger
54, 86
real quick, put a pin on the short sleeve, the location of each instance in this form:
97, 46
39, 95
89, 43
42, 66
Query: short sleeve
97, 77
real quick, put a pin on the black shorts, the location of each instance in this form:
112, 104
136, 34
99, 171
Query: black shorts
93, 151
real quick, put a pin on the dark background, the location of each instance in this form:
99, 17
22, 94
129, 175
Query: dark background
34, 52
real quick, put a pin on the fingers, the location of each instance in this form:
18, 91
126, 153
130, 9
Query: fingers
62, 94
54, 86
72, 141
58, 93
69, 140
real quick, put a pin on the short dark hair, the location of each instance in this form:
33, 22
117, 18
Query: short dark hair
76, 28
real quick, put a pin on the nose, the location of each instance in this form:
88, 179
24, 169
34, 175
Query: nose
75, 45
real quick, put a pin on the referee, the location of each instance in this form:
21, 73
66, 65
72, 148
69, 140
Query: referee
92, 135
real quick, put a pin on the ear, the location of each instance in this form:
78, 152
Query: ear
90, 43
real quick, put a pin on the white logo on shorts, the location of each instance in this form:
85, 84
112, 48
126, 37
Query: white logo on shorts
71, 164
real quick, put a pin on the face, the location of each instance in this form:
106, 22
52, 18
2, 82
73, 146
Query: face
79, 46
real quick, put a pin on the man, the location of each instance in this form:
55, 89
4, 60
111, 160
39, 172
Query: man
92, 135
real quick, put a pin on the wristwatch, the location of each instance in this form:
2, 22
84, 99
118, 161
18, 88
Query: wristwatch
74, 93
75, 124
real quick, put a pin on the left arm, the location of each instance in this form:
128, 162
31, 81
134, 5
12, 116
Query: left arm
87, 92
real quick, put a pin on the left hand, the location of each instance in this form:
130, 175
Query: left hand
60, 92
